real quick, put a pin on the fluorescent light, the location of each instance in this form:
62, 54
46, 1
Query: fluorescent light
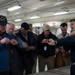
34, 17
14, 8
33, 9
59, 3
60, 13
17, 20
17, 13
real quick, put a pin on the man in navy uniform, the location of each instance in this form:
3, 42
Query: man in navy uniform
69, 44
5, 40
27, 54
14, 50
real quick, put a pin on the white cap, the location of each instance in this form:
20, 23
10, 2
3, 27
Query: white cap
46, 27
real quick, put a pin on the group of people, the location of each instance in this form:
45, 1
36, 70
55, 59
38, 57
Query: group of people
19, 51
49, 55
68, 43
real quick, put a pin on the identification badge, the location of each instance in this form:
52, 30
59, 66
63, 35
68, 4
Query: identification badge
45, 48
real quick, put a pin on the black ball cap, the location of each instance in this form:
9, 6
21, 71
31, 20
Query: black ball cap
25, 25
3, 20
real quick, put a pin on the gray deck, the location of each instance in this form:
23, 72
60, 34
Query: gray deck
59, 71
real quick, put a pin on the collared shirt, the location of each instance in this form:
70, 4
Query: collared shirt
25, 36
61, 36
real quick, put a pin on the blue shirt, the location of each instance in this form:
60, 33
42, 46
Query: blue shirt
4, 55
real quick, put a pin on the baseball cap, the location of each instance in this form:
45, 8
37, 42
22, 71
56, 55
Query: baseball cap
25, 25
46, 27
3, 20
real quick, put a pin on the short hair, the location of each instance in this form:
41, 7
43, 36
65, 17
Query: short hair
11, 24
30, 24
72, 20
63, 24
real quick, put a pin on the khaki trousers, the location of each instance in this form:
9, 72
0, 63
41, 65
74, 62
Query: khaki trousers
46, 61
66, 61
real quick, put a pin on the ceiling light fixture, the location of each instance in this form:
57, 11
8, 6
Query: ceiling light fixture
17, 13
34, 17
60, 13
59, 3
17, 20
14, 8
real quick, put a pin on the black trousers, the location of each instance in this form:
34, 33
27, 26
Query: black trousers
72, 70
4, 73
28, 67
14, 70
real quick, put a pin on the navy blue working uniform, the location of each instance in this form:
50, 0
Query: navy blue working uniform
69, 44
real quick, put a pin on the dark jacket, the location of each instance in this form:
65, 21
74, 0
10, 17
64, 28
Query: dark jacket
69, 44
31, 42
13, 50
50, 49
